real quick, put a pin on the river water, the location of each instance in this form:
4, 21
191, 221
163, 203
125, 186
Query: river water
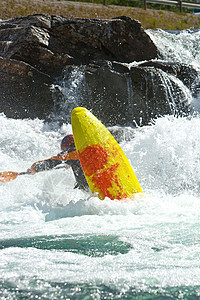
57, 242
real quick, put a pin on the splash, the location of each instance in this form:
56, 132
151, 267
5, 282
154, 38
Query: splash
182, 46
67, 94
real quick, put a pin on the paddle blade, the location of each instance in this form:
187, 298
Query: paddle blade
8, 176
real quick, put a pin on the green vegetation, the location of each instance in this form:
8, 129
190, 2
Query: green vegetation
140, 4
159, 17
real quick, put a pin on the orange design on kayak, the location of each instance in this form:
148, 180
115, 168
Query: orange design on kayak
104, 175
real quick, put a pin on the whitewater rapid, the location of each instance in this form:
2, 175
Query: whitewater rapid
159, 231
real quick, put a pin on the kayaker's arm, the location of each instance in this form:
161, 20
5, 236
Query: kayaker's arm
44, 166
47, 164
52, 162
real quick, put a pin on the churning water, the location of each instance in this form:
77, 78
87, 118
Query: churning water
57, 242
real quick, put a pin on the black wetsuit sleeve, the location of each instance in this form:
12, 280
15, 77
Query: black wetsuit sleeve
47, 165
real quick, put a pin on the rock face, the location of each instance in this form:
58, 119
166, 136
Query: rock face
24, 91
138, 94
49, 43
34, 51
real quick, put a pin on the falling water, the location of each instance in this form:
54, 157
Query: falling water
67, 93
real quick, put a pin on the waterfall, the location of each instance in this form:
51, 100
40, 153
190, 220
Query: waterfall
157, 92
182, 46
67, 93
175, 99
130, 99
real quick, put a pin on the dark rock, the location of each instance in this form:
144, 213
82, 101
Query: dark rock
37, 50
49, 43
24, 91
134, 96
42, 45
185, 73
122, 39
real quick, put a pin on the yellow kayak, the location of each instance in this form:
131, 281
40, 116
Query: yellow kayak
106, 167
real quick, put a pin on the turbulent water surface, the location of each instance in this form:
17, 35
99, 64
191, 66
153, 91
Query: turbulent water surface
57, 242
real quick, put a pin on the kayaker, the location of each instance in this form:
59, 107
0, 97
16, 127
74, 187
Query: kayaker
67, 146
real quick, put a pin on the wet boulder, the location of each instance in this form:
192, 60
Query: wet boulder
35, 49
49, 43
138, 94
24, 91
50, 64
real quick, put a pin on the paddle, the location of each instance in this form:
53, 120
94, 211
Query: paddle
8, 176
